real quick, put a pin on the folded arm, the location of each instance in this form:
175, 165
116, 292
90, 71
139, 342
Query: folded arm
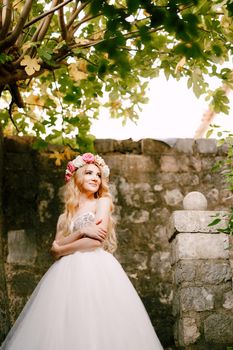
83, 244
88, 238
60, 238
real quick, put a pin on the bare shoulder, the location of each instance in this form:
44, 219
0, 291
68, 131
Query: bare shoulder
61, 220
104, 203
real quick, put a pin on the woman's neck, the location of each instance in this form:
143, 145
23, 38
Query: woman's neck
86, 197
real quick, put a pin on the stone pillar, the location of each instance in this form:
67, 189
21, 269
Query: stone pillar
202, 268
4, 308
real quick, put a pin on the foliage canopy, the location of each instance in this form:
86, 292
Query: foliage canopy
61, 60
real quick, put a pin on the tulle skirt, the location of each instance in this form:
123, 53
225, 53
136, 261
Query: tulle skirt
85, 301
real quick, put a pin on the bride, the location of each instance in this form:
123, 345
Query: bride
85, 301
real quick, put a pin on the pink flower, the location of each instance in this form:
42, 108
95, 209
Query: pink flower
70, 167
67, 177
88, 158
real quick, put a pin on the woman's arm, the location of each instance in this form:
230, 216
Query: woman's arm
101, 220
60, 238
83, 244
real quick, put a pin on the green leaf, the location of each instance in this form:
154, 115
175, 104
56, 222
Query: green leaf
215, 222
209, 133
45, 53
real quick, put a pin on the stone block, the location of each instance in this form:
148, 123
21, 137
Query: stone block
195, 163
184, 145
185, 271
195, 221
188, 331
21, 247
127, 146
213, 196
169, 164
152, 147
173, 197
200, 246
206, 146
134, 167
211, 272
158, 188
228, 300
188, 179
139, 216
160, 263
104, 145
218, 329
196, 299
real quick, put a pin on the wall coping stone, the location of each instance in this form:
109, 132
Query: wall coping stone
146, 146
194, 221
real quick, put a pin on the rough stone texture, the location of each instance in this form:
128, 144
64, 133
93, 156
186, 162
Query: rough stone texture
188, 331
173, 197
228, 300
196, 298
214, 272
200, 246
218, 329
4, 306
202, 283
21, 247
185, 145
185, 271
206, 146
145, 177
195, 221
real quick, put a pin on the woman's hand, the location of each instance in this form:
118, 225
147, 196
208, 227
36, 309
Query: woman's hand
55, 250
95, 231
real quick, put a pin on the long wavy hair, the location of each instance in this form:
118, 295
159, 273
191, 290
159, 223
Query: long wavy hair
71, 195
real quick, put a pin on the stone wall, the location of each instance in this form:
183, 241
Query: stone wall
202, 269
149, 180
4, 307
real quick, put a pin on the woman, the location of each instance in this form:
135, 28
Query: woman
85, 301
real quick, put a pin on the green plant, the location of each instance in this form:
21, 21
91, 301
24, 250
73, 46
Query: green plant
225, 167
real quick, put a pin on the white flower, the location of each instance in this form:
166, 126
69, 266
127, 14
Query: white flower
106, 171
99, 160
78, 162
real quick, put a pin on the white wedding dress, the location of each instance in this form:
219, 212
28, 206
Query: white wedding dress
85, 301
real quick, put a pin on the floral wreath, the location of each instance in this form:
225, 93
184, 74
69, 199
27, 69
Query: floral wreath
80, 161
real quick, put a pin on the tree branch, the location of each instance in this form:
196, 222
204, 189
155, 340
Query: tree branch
6, 18
16, 96
130, 35
76, 13
10, 40
46, 22
85, 19
62, 23
38, 18
18, 74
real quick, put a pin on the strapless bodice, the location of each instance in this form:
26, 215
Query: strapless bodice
82, 220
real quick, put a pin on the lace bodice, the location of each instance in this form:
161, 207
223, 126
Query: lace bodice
82, 220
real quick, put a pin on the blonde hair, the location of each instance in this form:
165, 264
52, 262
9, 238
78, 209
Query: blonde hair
71, 195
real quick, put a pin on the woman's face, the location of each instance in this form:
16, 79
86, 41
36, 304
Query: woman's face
91, 178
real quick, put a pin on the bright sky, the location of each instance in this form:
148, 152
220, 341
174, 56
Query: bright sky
173, 111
